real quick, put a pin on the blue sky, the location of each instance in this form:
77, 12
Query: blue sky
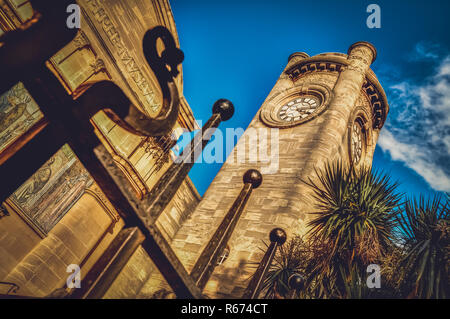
237, 50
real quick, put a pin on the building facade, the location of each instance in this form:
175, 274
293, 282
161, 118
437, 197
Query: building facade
59, 216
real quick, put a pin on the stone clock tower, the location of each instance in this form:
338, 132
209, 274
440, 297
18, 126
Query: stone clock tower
326, 107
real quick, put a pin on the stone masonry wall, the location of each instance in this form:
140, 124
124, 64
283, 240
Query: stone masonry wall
282, 200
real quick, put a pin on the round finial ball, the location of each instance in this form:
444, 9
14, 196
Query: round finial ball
253, 177
296, 281
225, 108
278, 235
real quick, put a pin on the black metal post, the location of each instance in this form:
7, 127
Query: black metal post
277, 238
207, 261
168, 184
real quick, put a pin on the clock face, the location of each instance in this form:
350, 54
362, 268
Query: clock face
357, 142
295, 105
298, 109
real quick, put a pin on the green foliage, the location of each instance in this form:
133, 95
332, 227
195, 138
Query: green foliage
352, 226
425, 233
355, 286
358, 221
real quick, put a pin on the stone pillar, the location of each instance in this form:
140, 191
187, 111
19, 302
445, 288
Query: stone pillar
346, 91
350, 81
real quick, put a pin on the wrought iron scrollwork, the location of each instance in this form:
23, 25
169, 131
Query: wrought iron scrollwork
165, 67
25, 50
22, 58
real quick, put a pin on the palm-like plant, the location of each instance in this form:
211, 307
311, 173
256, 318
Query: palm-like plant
425, 230
352, 226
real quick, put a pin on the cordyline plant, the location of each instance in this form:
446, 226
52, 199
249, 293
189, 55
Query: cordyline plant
425, 232
358, 221
352, 226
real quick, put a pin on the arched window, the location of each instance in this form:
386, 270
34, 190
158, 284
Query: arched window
357, 141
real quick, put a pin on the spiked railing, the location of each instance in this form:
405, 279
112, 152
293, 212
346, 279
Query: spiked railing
277, 238
168, 184
204, 267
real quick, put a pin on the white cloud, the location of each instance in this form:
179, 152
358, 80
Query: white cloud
415, 158
417, 132
425, 51
445, 67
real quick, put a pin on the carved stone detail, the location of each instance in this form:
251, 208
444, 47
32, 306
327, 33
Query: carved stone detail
132, 175
378, 110
3, 211
81, 41
98, 195
98, 66
315, 66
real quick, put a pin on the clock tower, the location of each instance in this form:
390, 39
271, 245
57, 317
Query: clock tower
326, 108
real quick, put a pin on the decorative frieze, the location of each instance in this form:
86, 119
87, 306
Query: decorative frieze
379, 111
